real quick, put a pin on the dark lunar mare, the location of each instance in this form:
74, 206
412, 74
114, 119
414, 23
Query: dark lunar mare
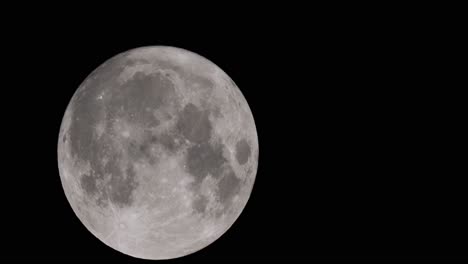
128, 102
205, 158
170, 140
242, 151
136, 99
194, 124
228, 185
88, 183
122, 188
87, 112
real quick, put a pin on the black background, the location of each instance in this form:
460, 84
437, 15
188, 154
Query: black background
358, 124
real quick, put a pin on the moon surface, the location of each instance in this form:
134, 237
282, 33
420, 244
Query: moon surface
158, 152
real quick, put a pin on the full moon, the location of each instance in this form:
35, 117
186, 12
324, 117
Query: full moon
158, 152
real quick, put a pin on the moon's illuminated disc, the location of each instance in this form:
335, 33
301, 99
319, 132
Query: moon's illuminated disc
158, 152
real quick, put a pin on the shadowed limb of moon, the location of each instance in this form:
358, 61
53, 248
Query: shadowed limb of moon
158, 152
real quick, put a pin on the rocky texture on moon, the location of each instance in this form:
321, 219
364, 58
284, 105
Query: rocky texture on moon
158, 152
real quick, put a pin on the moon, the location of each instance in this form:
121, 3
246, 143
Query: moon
158, 152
